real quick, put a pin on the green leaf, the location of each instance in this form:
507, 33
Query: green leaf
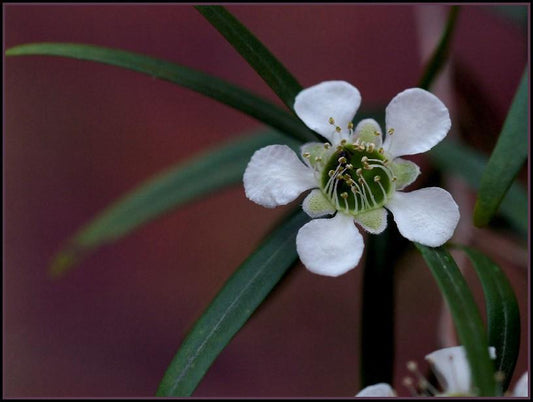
377, 335
205, 84
461, 160
465, 314
254, 52
503, 315
232, 307
508, 157
200, 176
440, 54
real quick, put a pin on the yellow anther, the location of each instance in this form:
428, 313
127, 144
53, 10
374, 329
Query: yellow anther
327, 145
342, 160
364, 159
390, 131
377, 178
318, 159
344, 195
370, 147
350, 126
349, 166
394, 178
338, 129
376, 133
381, 150
331, 120
331, 173
306, 155
343, 142
339, 148
359, 172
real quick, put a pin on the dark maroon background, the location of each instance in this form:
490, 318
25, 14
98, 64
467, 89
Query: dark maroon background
78, 134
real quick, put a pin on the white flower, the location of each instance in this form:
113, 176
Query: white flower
451, 369
356, 175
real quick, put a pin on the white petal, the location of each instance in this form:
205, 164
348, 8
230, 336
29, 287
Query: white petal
316, 204
521, 388
330, 247
452, 370
374, 221
419, 120
377, 390
275, 176
368, 130
337, 99
428, 216
405, 172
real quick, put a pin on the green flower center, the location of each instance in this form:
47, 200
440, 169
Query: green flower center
357, 178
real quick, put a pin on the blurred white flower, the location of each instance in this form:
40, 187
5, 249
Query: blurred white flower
452, 371
356, 175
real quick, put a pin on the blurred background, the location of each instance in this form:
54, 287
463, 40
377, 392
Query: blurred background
77, 135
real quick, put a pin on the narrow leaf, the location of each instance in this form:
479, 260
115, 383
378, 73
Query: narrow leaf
377, 335
465, 314
440, 54
508, 157
463, 161
231, 308
205, 84
254, 52
200, 176
503, 315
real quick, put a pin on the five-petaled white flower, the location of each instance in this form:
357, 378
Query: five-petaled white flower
356, 175
452, 371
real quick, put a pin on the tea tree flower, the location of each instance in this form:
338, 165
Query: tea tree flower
357, 175
451, 369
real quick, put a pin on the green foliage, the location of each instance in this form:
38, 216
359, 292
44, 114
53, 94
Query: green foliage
231, 308
465, 314
465, 162
254, 52
507, 158
175, 187
503, 315
205, 84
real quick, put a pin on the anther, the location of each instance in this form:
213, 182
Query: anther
331, 120
350, 126
394, 178
364, 159
390, 131
411, 365
349, 166
342, 160
318, 159
377, 178
343, 142
338, 129
376, 133
344, 195
339, 148
381, 150
371, 147
306, 155
359, 172
331, 173
327, 145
